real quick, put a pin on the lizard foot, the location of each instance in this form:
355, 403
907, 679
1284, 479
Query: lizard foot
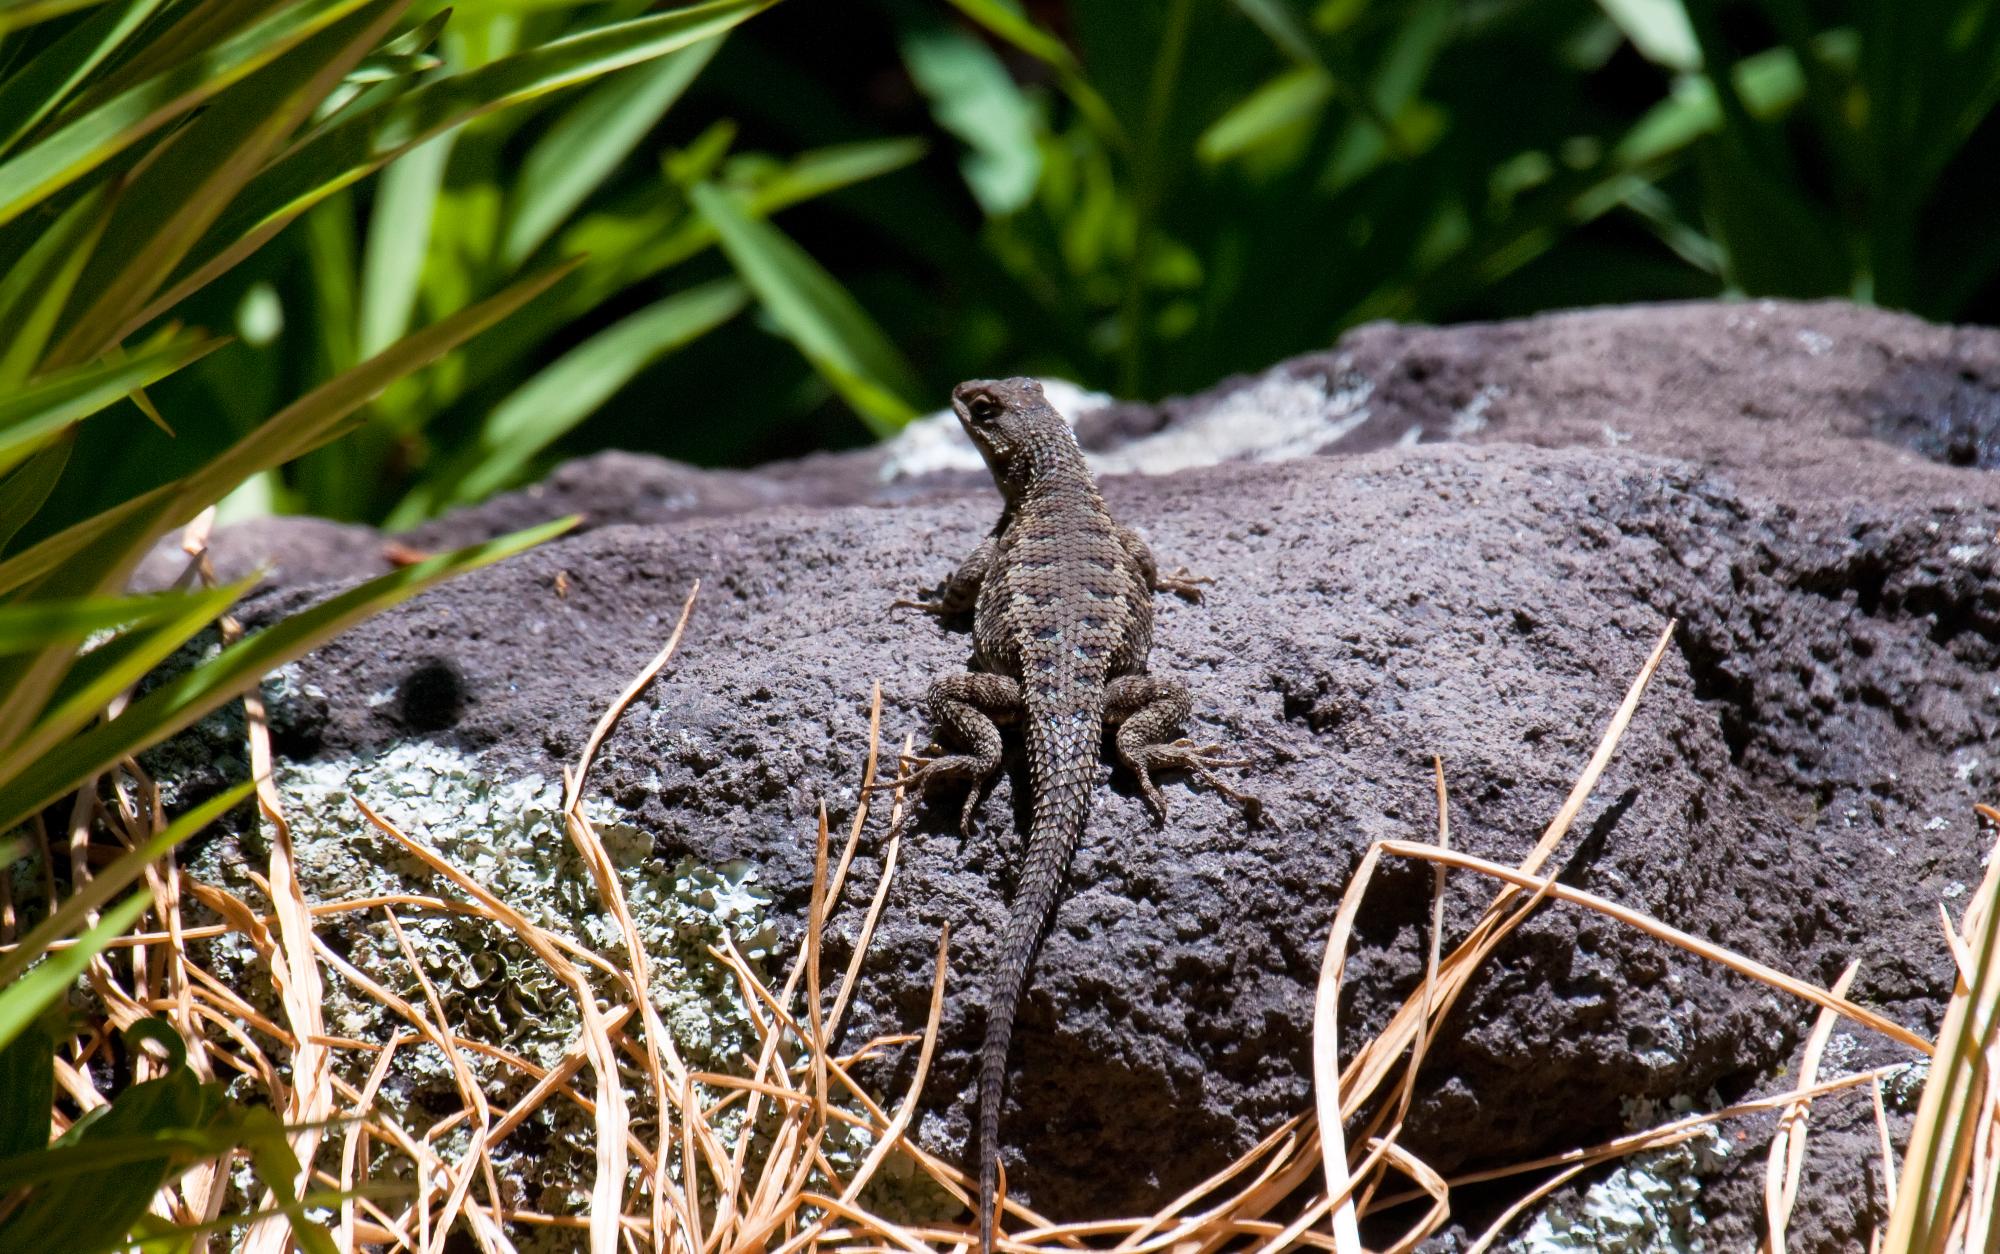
929, 771
928, 607
1201, 760
1182, 583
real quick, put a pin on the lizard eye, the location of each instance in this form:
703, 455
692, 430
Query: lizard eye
983, 408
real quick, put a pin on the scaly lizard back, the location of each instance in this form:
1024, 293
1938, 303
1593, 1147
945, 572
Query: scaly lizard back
1063, 620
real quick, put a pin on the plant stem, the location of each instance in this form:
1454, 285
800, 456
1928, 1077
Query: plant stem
1150, 183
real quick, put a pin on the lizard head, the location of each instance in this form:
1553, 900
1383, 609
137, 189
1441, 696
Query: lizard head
1014, 427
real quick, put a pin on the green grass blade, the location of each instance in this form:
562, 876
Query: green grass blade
582, 149
553, 402
25, 13
27, 1091
1949, 1131
179, 701
84, 143
399, 236
808, 175
127, 529
113, 541
34, 290
818, 315
55, 401
357, 145
39, 624
24, 999
112, 880
91, 1199
76, 690
37, 88
172, 201
23, 492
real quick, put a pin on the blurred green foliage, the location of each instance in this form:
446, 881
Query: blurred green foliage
801, 235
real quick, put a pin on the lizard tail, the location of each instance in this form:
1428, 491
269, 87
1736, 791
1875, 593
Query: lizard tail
1058, 823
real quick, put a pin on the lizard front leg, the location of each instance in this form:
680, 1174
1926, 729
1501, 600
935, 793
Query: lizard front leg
1147, 709
1182, 582
967, 709
961, 590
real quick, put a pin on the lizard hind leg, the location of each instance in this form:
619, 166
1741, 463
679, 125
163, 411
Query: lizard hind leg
1147, 709
966, 709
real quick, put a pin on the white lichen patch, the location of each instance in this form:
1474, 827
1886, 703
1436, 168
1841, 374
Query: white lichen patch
1277, 418
508, 836
1651, 1204
935, 442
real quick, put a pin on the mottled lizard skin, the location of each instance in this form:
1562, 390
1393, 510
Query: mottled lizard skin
1062, 604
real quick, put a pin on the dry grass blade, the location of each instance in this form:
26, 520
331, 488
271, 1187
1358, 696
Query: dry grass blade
1788, 1145
574, 791
1802, 989
613, 1117
309, 1096
1951, 1160
1521, 1205
1372, 1063
893, 1134
1326, 1055
664, 1068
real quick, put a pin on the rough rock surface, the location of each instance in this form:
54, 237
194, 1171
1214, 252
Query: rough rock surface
1457, 542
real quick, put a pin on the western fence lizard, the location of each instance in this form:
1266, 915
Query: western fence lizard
1062, 604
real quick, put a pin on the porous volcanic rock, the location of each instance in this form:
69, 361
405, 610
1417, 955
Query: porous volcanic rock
1457, 543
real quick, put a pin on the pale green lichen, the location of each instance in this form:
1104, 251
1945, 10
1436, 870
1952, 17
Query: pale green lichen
509, 837
1650, 1204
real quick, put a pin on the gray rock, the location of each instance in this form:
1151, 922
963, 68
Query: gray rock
1457, 542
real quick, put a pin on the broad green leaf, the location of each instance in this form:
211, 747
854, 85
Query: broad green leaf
399, 235
1659, 29
972, 96
113, 879
94, 1207
1005, 19
1295, 96
34, 290
174, 199
356, 145
818, 315
83, 143
23, 492
24, 999
181, 700
111, 542
46, 81
587, 143
57, 400
86, 1147
1276, 20
553, 402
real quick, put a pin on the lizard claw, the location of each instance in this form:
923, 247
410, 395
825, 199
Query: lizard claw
1200, 760
1183, 582
928, 607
